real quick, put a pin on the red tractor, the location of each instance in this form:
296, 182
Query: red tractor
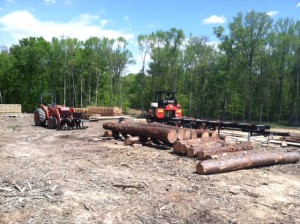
56, 116
165, 109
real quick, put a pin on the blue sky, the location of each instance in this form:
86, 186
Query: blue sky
128, 18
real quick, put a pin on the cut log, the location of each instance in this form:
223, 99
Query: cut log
230, 154
252, 160
291, 139
194, 134
193, 151
185, 145
194, 142
187, 134
200, 132
213, 134
132, 140
176, 146
222, 136
180, 131
179, 144
136, 139
108, 133
163, 134
228, 148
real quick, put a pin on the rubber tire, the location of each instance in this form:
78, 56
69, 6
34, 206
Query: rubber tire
52, 122
39, 117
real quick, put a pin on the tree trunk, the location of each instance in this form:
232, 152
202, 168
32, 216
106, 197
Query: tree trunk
180, 131
252, 160
229, 148
201, 133
163, 134
182, 146
178, 145
229, 154
108, 133
193, 151
135, 139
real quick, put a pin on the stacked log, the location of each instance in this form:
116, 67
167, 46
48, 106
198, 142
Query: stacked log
255, 159
213, 151
167, 135
130, 128
194, 151
130, 140
181, 147
216, 154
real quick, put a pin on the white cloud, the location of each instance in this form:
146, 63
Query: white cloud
272, 13
214, 20
298, 5
21, 24
126, 18
68, 2
49, 2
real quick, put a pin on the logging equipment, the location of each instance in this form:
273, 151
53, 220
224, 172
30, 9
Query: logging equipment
56, 116
167, 110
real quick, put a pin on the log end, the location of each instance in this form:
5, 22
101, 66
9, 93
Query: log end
200, 169
172, 136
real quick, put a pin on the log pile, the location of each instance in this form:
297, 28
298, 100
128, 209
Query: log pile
216, 155
155, 131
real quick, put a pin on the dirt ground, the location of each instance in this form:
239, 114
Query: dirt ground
49, 176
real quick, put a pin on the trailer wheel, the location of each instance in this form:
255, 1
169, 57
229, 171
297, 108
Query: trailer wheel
52, 122
39, 117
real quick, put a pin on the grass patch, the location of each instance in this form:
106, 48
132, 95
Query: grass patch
15, 127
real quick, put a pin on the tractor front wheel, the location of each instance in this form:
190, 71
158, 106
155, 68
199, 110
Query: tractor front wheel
52, 122
39, 117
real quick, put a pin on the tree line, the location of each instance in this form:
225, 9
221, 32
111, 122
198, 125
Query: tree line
253, 74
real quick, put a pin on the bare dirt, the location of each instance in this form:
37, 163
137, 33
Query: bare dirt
49, 176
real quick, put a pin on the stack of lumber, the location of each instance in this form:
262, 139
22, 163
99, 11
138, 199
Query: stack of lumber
94, 112
6, 109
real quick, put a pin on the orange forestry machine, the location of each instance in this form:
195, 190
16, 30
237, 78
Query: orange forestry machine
165, 109
57, 116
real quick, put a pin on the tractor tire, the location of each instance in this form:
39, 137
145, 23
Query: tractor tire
52, 122
39, 117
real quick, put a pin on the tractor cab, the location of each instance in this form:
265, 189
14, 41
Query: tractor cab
165, 107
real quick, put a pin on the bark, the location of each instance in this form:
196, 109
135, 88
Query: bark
180, 131
163, 134
177, 146
201, 133
108, 133
229, 154
193, 151
185, 144
291, 139
252, 160
135, 139
228, 148
187, 134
